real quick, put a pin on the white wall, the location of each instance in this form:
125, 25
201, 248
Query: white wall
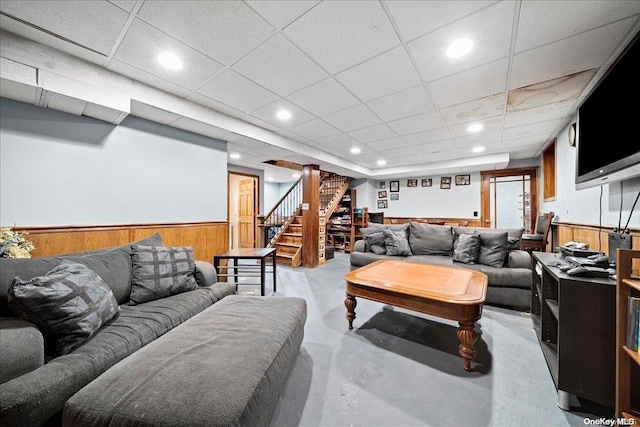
460, 201
61, 169
592, 206
273, 192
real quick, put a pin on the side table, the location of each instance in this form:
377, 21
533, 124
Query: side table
234, 271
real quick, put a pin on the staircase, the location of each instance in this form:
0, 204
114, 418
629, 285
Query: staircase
283, 225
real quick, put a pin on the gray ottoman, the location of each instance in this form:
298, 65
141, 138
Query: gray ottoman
225, 366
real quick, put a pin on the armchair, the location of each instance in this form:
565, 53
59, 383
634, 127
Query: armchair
538, 241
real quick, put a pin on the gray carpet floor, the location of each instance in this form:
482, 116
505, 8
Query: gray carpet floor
401, 368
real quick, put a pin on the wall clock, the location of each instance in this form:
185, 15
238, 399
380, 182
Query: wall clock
572, 135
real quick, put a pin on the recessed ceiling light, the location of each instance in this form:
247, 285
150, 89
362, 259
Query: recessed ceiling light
355, 150
459, 47
382, 162
283, 115
234, 156
475, 127
477, 149
170, 60
269, 178
296, 175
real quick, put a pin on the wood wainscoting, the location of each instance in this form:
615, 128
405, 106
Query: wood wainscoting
207, 238
596, 237
436, 221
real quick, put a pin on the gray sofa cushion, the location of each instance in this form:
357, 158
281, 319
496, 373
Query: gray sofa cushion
430, 239
467, 248
493, 248
514, 234
70, 302
160, 271
36, 396
396, 242
234, 371
21, 348
376, 240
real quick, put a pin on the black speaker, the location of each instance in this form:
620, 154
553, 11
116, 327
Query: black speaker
617, 240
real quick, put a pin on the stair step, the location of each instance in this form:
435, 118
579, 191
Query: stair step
287, 256
292, 234
291, 245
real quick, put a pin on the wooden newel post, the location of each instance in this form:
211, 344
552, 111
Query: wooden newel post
262, 231
310, 215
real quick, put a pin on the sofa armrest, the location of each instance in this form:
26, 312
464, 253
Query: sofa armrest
206, 274
21, 348
359, 246
519, 259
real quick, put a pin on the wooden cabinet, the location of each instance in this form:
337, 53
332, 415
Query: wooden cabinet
574, 319
339, 223
627, 360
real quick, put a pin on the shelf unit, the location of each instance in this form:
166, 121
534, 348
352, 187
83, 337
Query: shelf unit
627, 361
339, 230
574, 320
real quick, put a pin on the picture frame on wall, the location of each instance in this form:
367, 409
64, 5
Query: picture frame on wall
382, 194
382, 204
395, 196
394, 186
463, 179
383, 185
445, 182
427, 182
412, 183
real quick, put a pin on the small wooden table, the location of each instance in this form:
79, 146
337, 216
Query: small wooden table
235, 271
447, 292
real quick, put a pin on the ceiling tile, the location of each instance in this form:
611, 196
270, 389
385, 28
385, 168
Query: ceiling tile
215, 105
146, 78
490, 31
540, 128
546, 112
337, 141
402, 104
549, 21
268, 114
223, 30
387, 144
434, 135
315, 129
143, 43
373, 133
125, 4
474, 110
419, 123
383, 75
569, 56
415, 18
279, 13
324, 97
280, 67
478, 139
479, 82
233, 89
201, 128
353, 118
61, 18
340, 34
488, 125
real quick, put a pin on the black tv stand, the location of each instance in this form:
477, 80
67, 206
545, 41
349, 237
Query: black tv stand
574, 318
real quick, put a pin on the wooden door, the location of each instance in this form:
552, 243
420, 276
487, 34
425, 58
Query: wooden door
510, 198
247, 214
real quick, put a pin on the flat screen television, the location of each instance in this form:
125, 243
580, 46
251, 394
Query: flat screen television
607, 132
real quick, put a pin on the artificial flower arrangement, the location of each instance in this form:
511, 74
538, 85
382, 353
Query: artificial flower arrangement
13, 244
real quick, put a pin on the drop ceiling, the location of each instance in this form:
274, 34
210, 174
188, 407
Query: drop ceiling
366, 74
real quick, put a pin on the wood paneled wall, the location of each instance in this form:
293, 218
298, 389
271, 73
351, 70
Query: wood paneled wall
596, 237
207, 238
447, 221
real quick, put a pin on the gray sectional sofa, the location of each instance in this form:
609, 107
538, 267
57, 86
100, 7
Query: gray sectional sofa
490, 251
143, 341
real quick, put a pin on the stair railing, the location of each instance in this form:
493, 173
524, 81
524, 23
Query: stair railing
282, 214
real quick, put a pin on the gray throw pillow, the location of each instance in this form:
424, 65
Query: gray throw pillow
396, 242
69, 303
467, 248
379, 250
161, 271
373, 239
493, 248
430, 239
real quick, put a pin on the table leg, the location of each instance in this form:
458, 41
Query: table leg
467, 336
274, 271
350, 303
263, 262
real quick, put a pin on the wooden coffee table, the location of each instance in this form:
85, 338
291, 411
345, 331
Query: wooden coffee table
447, 292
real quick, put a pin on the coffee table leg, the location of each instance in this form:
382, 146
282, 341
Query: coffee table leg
350, 303
467, 336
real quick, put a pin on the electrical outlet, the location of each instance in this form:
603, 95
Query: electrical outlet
475, 213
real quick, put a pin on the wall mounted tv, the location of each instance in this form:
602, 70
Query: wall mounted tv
607, 136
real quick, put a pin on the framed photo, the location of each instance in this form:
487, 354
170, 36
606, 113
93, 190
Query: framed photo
383, 185
394, 186
426, 182
412, 183
462, 179
382, 204
445, 182
395, 196
382, 194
